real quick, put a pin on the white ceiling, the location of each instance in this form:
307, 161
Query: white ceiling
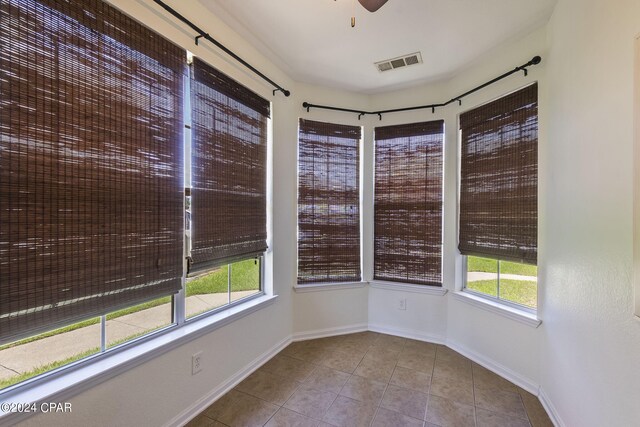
312, 40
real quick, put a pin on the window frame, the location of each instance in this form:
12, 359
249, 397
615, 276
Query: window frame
518, 312
408, 286
334, 285
179, 319
496, 299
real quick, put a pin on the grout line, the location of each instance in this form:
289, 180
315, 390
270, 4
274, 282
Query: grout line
473, 390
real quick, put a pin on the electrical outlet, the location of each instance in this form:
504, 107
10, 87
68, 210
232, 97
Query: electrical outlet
196, 363
402, 304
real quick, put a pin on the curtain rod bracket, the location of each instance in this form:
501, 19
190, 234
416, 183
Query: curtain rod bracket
360, 115
202, 33
459, 102
380, 116
199, 37
284, 91
433, 110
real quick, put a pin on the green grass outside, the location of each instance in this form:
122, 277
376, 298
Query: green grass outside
518, 291
245, 276
506, 267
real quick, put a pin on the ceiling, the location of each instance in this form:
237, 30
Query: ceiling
312, 40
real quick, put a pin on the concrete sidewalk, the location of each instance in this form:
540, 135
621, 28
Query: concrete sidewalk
477, 275
29, 356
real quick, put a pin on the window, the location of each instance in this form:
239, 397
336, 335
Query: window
226, 190
93, 183
408, 203
498, 196
328, 203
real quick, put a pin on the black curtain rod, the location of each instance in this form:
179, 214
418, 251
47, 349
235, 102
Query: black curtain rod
534, 61
206, 36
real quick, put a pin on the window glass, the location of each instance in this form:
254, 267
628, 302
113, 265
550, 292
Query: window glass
134, 322
26, 358
509, 281
245, 278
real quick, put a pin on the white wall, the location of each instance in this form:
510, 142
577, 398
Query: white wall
590, 369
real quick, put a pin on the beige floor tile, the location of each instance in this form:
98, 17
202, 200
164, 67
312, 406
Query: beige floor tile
327, 379
486, 418
202, 421
312, 354
358, 346
454, 389
240, 409
329, 343
484, 378
345, 412
366, 337
287, 418
310, 402
413, 380
445, 353
387, 418
537, 415
424, 348
364, 389
269, 387
455, 370
376, 370
417, 361
445, 413
293, 348
341, 361
289, 367
405, 401
382, 354
501, 402
390, 343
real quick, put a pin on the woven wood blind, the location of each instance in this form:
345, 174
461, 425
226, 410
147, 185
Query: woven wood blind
90, 164
229, 155
408, 203
328, 203
499, 178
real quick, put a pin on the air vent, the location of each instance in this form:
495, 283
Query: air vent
399, 62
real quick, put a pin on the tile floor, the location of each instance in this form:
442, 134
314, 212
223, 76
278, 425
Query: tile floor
371, 379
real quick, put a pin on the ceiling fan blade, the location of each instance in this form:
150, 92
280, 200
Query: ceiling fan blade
372, 5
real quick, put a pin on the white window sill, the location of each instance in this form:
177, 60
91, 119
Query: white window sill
512, 313
317, 287
408, 287
62, 385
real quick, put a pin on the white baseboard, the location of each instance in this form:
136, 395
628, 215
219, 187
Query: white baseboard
551, 410
203, 403
329, 332
509, 374
408, 333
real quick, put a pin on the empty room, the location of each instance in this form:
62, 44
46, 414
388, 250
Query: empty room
320, 213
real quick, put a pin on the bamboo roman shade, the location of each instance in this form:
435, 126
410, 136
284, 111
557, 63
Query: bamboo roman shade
91, 184
229, 159
328, 202
499, 178
408, 203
